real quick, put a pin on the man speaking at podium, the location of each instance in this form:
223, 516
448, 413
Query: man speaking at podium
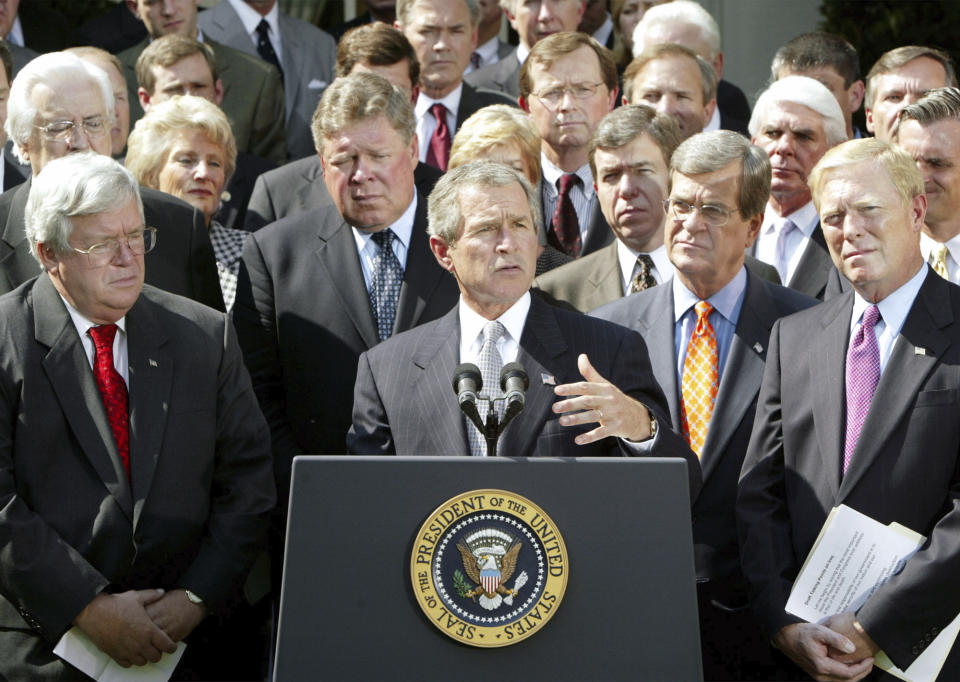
591, 391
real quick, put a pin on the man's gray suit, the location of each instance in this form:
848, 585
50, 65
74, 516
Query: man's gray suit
303, 317
182, 261
404, 403
194, 511
309, 56
252, 98
905, 467
813, 270
503, 76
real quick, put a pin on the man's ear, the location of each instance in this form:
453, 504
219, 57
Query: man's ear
524, 104
144, 98
441, 251
48, 258
132, 6
218, 92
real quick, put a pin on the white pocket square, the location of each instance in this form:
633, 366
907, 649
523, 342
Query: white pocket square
317, 84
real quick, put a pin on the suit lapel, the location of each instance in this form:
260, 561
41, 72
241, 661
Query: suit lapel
338, 256
16, 263
605, 279
599, 233
656, 325
810, 277
292, 62
742, 372
541, 342
67, 368
151, 374
421, 275
467, 106
827, 364
905, 372
438, 356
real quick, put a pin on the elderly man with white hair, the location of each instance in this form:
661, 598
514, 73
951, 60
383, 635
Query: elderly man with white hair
796, 120
686, 23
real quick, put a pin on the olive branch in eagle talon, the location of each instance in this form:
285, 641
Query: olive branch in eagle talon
473, 565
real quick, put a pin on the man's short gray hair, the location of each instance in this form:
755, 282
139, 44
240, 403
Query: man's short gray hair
709, 152
940, 104
50, 69
444, 217
681, 12
806, 92
80, 184
357, 97
405, 6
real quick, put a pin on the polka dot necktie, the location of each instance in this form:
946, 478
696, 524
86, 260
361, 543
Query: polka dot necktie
386, 283
113, 390
701, 379
863, 374
490, 365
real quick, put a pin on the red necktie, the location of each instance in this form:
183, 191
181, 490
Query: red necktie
113, 390
566, 226
439, 151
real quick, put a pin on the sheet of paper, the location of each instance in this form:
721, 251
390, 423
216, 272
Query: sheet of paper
77, 649
852, 557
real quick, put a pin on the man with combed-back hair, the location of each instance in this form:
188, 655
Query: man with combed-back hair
484, 219
719, 184
135, 470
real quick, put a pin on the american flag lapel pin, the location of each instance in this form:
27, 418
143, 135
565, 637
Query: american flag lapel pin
153, 363
917, 350
547, 379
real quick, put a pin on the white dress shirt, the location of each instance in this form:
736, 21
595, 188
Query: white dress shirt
426, 123
120, 357
471, 331
714, 122
662, 267
806, 220
927, 245
367, 248
250, 19
489, 53
582, 195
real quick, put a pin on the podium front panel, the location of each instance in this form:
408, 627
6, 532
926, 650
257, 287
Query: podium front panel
348, 610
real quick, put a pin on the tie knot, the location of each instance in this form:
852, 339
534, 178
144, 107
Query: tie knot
645, 263
102, 335
940, 252
263, 28
787, 226
703, 310
438, 110
492, 331
870, 317
567, 181
383, 238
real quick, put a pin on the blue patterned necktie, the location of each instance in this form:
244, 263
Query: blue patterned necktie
386, 282
490, 365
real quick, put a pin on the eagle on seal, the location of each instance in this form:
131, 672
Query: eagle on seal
489, 570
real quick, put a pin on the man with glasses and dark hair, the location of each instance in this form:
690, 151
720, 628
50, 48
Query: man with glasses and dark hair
59, 105
136, 471
707, 333
567, 85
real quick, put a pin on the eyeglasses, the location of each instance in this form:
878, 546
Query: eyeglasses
62, 131
579, 91
714, 216
139, 243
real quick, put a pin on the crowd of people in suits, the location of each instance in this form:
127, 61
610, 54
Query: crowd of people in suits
230, 237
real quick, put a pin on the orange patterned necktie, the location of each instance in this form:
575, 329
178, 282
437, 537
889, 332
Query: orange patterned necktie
701, 378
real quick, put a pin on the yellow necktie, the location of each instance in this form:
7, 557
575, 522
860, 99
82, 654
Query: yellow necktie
701, 378
938, 260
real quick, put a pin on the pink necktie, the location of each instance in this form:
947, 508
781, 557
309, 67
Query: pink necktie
113, 390
439, 151
863, 373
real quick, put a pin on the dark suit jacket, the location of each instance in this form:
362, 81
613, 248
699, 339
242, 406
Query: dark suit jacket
182, 262
473, 99
71, 525
814, 268
905, 467
113, 31
252, 98
13, 173
732, 102
651, 314
595, 279
598, 235
504, 76
233, 213
403, 402
303, 318
44, 28
298, 187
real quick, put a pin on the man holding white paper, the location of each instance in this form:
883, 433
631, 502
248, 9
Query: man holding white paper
860, 405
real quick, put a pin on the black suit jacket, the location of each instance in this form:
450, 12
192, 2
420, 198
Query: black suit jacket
905, 467
732, 102
404, 404
303, 318
194, 510
298, 187
113, 31
716, 550
473, 99
182, 262
233, 212
814, 269
13, 173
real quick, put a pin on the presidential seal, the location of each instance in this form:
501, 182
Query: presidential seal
489, 568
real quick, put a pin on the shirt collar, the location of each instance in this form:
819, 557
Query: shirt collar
16, 32
522, 53
513, 320
250, 18
602, 34
451, 102
724, 301
714, 122
628, 259
805, 218
83, 324
488, 50
552, 173
402, 228
896, 306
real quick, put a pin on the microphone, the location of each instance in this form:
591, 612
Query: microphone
514, 382
467, 382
